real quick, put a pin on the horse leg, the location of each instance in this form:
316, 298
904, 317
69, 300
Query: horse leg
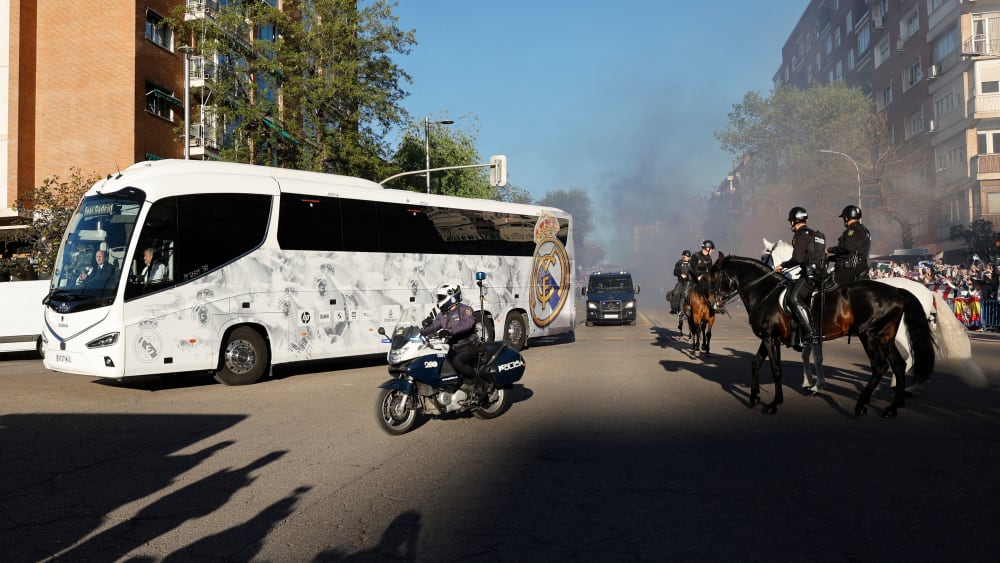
820, 376
704, 336
773, 350
807, 369
758, 361
898, 364
878, 361
707, 329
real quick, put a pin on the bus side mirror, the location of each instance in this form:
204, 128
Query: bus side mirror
637, 289
583, 291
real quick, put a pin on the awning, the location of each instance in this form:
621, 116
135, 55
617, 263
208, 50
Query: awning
281, 130
165, 97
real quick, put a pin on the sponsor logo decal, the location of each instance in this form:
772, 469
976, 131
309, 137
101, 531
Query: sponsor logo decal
431, 364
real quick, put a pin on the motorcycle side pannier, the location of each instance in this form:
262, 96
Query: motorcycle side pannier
508, 367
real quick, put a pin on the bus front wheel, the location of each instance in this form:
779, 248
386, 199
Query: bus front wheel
516, 330
244, 359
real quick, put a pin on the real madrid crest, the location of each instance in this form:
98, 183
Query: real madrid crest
550, 272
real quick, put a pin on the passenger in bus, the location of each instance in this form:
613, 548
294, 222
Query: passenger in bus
155, 271
457, 324
100, 274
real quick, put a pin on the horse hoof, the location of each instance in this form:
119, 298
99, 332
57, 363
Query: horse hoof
890, 412
770, 409
860, 410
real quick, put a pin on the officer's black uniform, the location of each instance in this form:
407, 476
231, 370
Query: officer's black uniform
850, 256
701, 263
682, 271
806, 244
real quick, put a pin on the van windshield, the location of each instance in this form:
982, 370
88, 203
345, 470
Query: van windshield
611, 283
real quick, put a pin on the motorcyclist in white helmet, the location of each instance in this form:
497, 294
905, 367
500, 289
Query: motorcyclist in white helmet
456, 322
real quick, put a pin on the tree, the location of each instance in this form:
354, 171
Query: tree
784, 135
979, 239
52, 205
577, 203
512, 194
449, 146
312, 86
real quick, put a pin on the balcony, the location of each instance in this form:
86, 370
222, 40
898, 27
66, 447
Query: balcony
203, 140
200, 9
986, 167
201, 70
981, 46
984, 106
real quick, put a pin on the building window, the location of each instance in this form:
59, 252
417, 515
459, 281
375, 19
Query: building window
886, 96
912, 75
850, 60
849, 21
882, 51
990, 87
992, 203
910, 23
945, 45
915, 123
864, 40
988, 142
836, 37
946, 100
840, 71
157, 30
160, 101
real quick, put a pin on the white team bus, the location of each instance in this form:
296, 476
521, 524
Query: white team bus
264, 266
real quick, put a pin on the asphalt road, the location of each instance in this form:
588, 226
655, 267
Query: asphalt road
620, 446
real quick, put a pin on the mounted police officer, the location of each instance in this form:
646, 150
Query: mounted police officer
702, 261
808, 248
682, 271
850, 256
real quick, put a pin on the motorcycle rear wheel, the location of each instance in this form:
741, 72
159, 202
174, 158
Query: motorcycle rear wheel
499, 403
391, 411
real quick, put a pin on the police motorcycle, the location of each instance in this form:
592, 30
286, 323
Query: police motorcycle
424, 383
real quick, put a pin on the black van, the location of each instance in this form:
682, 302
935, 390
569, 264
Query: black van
611, 298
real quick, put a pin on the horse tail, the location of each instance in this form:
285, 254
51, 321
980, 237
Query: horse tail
921, 339
955, 346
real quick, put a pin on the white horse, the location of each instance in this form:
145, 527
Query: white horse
951, 338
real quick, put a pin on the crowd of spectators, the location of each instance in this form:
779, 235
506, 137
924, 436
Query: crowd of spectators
964, 287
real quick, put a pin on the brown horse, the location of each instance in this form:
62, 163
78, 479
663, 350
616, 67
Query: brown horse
700, 313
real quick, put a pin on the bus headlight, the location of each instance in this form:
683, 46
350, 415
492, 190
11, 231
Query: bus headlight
103, 341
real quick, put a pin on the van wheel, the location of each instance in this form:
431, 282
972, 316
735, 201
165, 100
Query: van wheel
515, 330
244, 359
488, 325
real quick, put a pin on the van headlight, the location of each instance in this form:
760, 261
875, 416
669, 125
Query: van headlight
630, 304
103, 341
591, 305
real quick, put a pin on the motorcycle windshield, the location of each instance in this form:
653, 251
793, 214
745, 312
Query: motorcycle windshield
403, 335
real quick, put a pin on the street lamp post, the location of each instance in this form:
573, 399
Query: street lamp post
187, 49
856, 169
427, 146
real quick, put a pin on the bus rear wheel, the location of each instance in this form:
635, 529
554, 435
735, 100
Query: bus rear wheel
484, 327
244, 359
515, 330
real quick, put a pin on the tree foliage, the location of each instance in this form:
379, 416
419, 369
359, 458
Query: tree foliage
312, 86
450, 145
784, 135
52, 205
979, 238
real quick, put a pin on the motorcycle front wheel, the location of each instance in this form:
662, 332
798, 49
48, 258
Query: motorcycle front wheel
496, 404
393, 413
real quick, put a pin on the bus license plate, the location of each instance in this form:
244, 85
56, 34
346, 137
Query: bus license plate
64, 359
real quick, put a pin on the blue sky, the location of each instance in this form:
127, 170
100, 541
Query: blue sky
620, 99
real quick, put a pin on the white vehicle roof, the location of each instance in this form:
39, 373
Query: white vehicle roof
171, 177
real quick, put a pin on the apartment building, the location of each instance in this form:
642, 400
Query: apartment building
934, 67
95, 84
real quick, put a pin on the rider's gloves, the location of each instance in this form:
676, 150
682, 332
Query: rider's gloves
443, 333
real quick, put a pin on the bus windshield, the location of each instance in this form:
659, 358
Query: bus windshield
89, 264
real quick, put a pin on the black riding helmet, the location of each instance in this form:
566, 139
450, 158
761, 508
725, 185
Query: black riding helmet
850, 212
686, 253
798, 214
708, 244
